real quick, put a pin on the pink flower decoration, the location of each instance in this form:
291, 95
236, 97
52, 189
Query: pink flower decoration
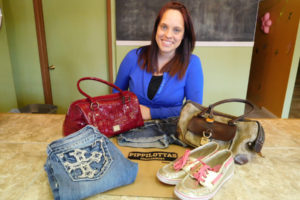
266, 22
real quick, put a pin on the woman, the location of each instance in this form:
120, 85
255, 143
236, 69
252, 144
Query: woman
165, 72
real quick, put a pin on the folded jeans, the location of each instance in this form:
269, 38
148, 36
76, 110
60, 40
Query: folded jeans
154, 134
86, 163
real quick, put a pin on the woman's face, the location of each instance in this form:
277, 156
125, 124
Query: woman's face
170, 32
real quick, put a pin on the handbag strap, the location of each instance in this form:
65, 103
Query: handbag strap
232, 100
95, 79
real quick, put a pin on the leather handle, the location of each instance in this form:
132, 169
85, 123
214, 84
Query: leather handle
95, 79
232, 100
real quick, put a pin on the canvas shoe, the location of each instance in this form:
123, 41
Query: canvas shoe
206, 178
174, 172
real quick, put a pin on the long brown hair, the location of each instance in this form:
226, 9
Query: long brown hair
147, 58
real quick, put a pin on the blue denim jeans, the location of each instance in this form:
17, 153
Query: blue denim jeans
155, 133
86, 163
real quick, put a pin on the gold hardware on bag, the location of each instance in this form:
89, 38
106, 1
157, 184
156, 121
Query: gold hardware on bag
204, 140
94, 105
206, 135
116, 128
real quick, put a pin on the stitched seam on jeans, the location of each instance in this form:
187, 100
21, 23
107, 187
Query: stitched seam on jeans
69, 146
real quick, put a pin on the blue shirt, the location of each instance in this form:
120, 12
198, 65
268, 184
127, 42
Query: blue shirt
168, 100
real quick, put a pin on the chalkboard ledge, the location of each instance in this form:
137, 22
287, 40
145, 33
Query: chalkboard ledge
198, 43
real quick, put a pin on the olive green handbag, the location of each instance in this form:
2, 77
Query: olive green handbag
199, 125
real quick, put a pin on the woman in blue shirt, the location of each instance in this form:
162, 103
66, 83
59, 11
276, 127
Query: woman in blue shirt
165, 72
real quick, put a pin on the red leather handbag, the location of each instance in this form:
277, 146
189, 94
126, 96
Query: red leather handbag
112, 114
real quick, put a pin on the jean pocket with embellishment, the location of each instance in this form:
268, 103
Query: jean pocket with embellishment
87, 163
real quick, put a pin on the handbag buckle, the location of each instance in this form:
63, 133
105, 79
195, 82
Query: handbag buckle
206, 137
96, 105
207, 133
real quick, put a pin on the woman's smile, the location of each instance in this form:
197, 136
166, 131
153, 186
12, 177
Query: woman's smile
166, 43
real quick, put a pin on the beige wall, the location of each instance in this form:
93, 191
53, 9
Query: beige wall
292, 76
7, 88
226, 69
76, 44
23, 51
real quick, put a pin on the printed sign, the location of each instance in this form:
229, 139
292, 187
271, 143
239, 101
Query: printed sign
154, 155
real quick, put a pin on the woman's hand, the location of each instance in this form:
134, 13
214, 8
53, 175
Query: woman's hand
145, 112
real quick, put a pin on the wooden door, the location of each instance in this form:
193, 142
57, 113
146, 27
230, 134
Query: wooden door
77, 47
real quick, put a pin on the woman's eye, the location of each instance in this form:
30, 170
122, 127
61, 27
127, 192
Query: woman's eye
164, 27
177, 30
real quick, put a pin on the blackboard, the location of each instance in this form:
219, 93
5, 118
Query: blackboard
213, 20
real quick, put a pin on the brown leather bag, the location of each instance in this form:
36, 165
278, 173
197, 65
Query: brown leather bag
199, 125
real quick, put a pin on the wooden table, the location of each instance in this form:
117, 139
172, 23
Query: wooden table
24, 138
